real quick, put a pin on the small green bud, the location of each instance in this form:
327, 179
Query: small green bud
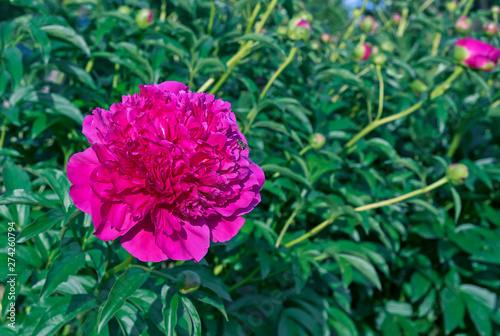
282, 30
144, 18
457, 173
379, 59
317, 140
387, 46
124, 10
368, 25
315, 45
451, 6
495, 10
188, 281
419, 86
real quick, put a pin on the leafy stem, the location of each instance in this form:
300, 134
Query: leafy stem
371, 206
282, 67
381, 92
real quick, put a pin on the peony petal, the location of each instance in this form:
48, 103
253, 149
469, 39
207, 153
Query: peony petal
140, 242
224, 228
477, 62
172, 87
96, 126
117, 215
102, 231
191, 243
79, 168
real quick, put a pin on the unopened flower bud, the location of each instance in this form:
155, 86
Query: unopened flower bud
476, 54
375, 50
451, 6
379, 59
305, 16
457, 173
387, 46
490, 29
419, 86
362, 52
282, 30
125, 10
357, 12
317, 140
326, 38
299, 29
144, 18
463, 25
396, 18
188, 281
368, 25
495, 10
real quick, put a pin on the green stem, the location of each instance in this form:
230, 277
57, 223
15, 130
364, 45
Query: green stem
308, 234
380, 122
262, 22
402, 23
120, 267
425, 5
381, 93
163, 11
454, 145
207, 84
441, 89
244, 281
212, 18
4, 130
115, 76
329, 221
355, 19
287, 224
287, 61
252, 18
305, 149
158, 274
467, 8
423, 190
90, 65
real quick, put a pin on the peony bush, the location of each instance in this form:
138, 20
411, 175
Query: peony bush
250, 167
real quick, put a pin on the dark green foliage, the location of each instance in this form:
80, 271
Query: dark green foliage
427, 266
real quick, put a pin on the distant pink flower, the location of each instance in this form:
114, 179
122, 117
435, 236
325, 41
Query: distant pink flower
463, 25
168, 171
490, 29
476, 54
396, 18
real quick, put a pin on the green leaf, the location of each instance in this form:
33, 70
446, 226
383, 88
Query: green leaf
67, 34
457, 202
14, 63
480, 317
399, 308
122, 289
364, 267
453, 309
68, 263
170, 299
20, 196
211, 299
40, 225
273, 168
62, 312
193, 315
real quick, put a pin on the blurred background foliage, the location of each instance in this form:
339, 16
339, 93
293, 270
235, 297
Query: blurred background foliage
426, 266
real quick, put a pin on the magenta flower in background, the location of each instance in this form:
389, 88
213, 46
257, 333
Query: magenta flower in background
167, 172
476, 54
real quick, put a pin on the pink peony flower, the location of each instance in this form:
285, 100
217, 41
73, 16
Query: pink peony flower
167, 172
476, 54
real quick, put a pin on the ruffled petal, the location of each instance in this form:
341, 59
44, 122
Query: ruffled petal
79, 168
96, 126
140, 242
173, 87
190, 243
224, 228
